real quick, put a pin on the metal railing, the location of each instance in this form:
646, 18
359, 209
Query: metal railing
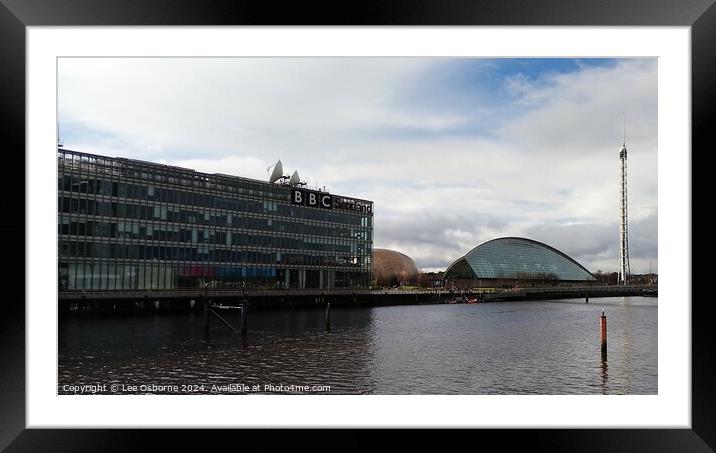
202, 292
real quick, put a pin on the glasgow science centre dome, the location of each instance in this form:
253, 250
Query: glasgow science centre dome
510, 260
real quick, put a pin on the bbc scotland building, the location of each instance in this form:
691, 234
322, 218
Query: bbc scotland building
126, 224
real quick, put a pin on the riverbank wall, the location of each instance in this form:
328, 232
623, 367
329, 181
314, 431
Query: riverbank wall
149, 302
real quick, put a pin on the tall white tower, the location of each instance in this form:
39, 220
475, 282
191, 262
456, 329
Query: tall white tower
623, 223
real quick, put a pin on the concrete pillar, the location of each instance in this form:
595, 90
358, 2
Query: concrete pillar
320, 278
287, 282
302, 278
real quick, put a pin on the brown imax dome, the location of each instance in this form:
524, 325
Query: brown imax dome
391, 268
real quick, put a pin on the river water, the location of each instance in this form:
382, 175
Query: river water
534, 347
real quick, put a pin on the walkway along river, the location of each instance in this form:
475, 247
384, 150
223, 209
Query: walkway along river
192, 300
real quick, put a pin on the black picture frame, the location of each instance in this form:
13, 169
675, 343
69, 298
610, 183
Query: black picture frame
16, 15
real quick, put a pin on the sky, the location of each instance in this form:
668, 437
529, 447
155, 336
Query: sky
453, 151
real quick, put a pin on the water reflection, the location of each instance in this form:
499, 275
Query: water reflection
604, 375
496, 348
281, 348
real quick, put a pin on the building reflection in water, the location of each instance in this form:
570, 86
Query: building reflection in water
282, 347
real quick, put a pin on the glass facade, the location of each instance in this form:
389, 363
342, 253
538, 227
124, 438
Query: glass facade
130, 225
517, 258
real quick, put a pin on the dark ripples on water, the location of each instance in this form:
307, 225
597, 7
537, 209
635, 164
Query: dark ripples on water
547, 347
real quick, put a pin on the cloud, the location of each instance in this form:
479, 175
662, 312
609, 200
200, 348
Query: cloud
575, 113
218, 107
454, 152
595, 245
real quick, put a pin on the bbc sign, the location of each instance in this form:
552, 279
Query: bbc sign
326, 201
311, 198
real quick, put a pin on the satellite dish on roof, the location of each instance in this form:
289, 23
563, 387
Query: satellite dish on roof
277, 172
294, 178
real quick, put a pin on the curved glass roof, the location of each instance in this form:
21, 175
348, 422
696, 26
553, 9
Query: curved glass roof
513, 257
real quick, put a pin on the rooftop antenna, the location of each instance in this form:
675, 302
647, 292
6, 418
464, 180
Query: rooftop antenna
294, 178
277, 172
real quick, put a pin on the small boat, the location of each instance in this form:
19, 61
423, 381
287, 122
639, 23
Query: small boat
472, 300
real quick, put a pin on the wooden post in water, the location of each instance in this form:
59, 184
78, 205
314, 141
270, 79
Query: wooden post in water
328, 317
244, 315
206, 316
604, 335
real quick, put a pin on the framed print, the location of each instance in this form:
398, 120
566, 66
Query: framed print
439, 174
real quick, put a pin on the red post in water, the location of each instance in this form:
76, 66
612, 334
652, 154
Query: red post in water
604, 335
